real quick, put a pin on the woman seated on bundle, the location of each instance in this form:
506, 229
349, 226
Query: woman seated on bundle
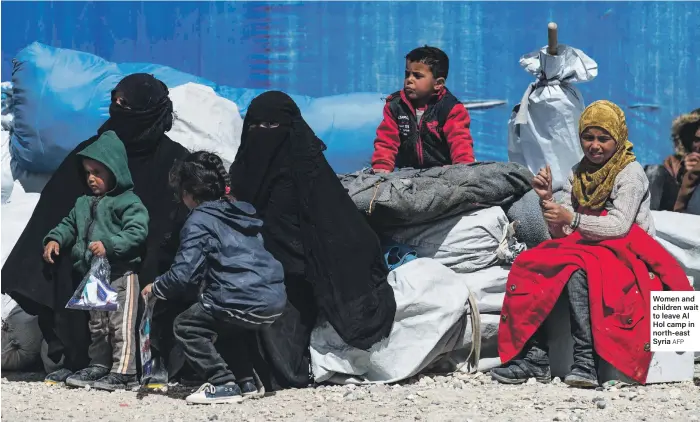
602, 253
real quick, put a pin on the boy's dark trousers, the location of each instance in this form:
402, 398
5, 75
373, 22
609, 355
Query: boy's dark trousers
114, 333
197, 329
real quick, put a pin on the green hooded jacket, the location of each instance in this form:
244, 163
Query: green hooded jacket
118, 219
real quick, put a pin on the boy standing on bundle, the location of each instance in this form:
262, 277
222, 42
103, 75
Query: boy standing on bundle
111, 223
424, 124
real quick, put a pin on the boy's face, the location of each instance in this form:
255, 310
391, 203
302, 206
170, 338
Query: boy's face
419, 83
99, 178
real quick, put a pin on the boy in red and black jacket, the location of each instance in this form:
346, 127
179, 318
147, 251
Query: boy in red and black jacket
424, 124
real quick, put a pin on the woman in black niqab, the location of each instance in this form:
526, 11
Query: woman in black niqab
333, 263
140, 113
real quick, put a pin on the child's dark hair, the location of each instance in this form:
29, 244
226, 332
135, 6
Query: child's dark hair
202, 175
433, 57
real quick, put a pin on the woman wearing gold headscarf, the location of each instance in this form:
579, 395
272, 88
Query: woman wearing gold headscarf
600, 254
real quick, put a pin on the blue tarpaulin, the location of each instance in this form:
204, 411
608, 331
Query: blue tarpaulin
648, 59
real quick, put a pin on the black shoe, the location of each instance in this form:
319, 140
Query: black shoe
113, 382
58, 377
212, 394
250, 390
582, 378
86, 376
521, 370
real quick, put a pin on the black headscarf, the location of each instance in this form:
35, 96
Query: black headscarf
311, 224
44, 290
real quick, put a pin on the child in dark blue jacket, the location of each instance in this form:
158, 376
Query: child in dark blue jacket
241, 284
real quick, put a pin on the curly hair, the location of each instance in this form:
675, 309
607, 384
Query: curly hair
433, 57
683, 131
202, 175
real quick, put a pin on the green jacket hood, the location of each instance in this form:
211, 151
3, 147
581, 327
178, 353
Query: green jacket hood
109, 150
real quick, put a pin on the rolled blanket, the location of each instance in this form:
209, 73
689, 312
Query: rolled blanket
410, 196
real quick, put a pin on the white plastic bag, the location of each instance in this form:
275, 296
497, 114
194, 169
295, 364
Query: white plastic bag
21, 337
94, 293
544, 127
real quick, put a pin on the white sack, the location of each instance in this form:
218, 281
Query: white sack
14, 218
432, 318
6, 179
680, 234
21, 337
464, 243
205, 121
545, 128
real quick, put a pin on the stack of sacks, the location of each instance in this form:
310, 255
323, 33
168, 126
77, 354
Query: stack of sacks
63, 96
21, 337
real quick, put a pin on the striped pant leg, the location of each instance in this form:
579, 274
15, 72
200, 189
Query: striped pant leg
122, 324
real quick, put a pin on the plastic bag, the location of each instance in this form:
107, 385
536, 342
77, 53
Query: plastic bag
154, 374
94, 293
145, 338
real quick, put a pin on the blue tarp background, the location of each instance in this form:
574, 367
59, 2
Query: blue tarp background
648, 52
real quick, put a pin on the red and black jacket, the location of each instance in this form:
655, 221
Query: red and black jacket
441, 138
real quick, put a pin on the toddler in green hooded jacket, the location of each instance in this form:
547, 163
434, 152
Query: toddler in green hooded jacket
112, 222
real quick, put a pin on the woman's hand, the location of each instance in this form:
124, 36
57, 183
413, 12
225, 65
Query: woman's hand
556, 214
691, 161
51, 248
146, 292
542, 184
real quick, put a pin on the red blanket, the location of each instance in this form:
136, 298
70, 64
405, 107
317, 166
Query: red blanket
621, 275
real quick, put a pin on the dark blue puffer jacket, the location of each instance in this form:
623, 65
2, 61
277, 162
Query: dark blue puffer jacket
221, 247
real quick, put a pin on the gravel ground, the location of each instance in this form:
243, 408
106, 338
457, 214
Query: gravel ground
451, 398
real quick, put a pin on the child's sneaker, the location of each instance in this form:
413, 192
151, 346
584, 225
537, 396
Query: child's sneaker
114, 382
212, 394
86, 376
58, 377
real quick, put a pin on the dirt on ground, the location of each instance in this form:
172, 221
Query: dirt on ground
457, 397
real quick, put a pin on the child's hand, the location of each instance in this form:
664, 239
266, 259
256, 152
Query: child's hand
97, 249
51, 248
147, 290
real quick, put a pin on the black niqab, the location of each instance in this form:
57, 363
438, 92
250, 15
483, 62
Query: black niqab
43, 289
311, 224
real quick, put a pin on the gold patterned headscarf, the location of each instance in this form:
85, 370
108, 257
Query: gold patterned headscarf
593, 184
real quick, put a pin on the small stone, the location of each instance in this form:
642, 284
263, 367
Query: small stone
411, 397
88, 388
531, 381
457, 385
556, 381
561, 417
663, 399
573, 400
623, 395
597, 399
421, 394
351, 386
601, 404
632, 396
213, 418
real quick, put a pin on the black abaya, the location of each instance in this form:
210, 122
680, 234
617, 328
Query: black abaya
331, 256
44, 290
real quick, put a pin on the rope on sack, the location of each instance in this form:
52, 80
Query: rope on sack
475, 352
371, 202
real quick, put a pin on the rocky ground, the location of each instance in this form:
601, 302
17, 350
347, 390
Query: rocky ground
452, 398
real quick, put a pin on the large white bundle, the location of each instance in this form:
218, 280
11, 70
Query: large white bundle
544, 127
680, 235
433, 318
205, 121
464, 243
